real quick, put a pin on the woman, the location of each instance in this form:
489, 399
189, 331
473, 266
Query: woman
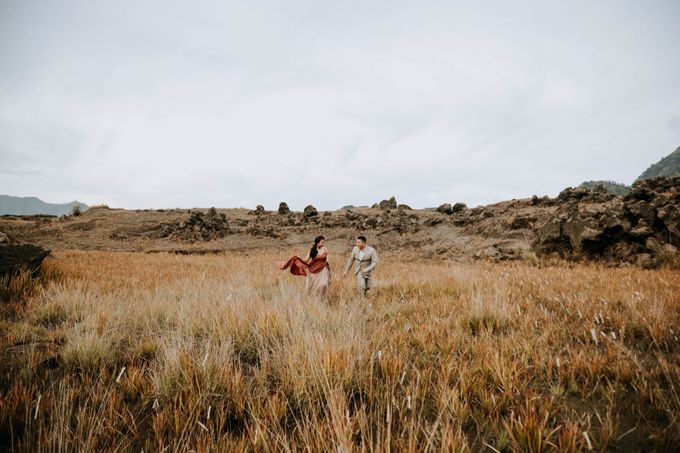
314, 267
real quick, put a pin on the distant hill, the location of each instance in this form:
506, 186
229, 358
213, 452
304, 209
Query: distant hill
32, 205
612, 187
668, 166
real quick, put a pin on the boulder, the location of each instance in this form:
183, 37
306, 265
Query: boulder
642, 229
573, 194
370, 222
391, 203
283, 208
310, 211
445, 208
550, 231
351, 215
486, 214
458, 207
539, 201
520, 221
14, 258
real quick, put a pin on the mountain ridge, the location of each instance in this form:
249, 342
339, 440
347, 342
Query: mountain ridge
13, 205
668, 166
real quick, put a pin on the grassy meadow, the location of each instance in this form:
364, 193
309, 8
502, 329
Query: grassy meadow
113, 351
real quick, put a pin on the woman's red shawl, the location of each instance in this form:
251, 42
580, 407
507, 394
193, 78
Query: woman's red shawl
299, 267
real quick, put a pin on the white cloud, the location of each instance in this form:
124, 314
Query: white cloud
157, 104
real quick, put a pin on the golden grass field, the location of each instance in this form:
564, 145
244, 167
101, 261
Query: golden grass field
161, 352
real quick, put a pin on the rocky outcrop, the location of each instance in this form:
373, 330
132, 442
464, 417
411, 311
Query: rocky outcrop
390, 203
540, 201
447, 208
398, 220
198, 227
518, 222
444, 208
265, 231
641, 228
259, 210
283, 208
310, 211
14, 258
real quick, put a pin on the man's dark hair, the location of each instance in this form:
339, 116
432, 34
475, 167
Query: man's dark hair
362, 238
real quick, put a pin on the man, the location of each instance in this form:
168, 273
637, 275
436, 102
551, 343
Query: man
365, 259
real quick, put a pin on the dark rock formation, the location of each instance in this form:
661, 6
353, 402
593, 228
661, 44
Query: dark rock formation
310, 211
641, 228
391, 203
540, 201
283, 208
446, 208
14, 258
571, 193
458, 207
266, 231
198, 227
517, 222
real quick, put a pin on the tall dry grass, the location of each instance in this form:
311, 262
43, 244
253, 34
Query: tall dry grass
162, 352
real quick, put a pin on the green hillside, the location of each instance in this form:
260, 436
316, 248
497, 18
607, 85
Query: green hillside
612, 187
668, 166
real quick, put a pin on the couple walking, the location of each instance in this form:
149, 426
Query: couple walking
317, 272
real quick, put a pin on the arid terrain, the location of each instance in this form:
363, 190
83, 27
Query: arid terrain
530, 325
640, 228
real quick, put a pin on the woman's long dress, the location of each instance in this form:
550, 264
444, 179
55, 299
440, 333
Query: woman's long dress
318, 284
317, 273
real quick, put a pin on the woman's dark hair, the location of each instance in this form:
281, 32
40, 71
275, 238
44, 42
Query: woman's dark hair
314, 251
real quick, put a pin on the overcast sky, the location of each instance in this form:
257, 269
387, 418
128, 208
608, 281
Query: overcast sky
237, 103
